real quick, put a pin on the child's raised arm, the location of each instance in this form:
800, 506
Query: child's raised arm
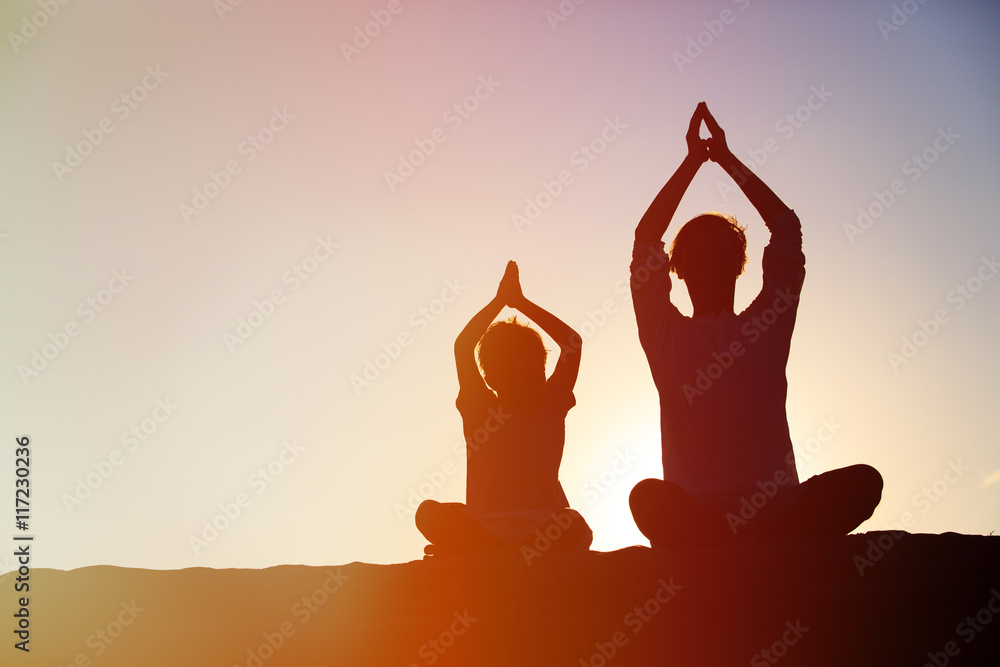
569, 341
469, 377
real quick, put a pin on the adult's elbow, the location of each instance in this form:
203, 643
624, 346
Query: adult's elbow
645, 234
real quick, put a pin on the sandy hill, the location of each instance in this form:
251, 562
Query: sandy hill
872, 599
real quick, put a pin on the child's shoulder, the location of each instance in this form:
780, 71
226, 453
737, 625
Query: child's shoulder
558, 395
473, 398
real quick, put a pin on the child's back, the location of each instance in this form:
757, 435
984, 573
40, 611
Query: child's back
514, 452
514, 437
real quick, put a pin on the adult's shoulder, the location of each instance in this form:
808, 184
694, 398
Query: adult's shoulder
786, 221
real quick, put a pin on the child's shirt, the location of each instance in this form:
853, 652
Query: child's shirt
721, 378
514, 455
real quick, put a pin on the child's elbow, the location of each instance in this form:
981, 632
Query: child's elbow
573, 346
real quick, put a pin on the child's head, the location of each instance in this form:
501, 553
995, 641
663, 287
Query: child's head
709, 247
512, 357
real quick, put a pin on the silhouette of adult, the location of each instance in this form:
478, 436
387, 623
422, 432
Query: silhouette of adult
728, 465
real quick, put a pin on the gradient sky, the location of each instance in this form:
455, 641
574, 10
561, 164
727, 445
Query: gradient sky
329, 124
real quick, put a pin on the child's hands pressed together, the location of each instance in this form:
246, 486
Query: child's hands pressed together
509, 290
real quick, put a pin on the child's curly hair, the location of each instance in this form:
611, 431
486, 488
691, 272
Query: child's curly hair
712, 241
511, 343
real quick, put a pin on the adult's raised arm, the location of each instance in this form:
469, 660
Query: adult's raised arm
654, 223
767, 203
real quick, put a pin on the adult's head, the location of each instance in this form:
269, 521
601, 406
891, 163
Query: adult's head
709, 254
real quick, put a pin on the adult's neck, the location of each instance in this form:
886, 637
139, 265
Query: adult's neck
709, 299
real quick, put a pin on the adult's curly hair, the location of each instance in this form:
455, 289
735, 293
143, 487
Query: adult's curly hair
711, 242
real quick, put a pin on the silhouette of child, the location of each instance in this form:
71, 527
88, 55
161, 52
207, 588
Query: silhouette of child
514, 438
728, 466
